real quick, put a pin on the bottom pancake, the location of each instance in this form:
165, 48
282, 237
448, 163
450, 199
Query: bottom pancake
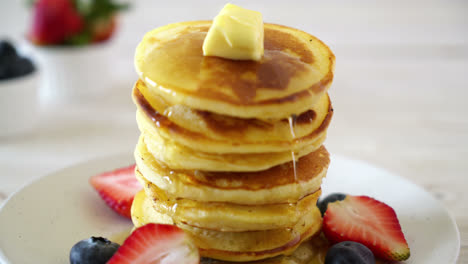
312, 251
235, 246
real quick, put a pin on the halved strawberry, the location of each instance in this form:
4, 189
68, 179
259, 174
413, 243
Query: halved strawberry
156, 243
117, 188
367, 221
54, 21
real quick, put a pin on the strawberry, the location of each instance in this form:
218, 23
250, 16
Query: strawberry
117, 188
156, 243
367, 221
54, 21
103, 29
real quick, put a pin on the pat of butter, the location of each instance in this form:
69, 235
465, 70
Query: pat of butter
236, 33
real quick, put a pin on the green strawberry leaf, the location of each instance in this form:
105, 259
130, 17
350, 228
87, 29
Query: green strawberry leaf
80, 39
93, 10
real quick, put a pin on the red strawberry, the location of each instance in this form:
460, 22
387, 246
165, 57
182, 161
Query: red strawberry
367, 221
54, 21
103, 29
156, 243
117, 188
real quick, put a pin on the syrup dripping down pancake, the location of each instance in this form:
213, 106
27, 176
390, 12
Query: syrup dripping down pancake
179, 157
275, 185
209, 132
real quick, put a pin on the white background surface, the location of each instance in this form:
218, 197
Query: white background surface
399, 93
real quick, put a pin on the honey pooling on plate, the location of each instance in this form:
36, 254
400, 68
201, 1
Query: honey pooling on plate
231, 150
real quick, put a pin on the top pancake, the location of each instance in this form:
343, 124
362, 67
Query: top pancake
294, 73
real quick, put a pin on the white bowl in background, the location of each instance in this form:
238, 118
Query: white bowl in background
72, 73
19, 103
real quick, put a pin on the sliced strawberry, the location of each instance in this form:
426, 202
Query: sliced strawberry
117, 188
54, 21
103, 28
367, 221
156, 243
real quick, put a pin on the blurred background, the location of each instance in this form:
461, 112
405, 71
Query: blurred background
399, 92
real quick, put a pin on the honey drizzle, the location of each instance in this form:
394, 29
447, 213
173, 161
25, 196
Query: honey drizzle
292, 124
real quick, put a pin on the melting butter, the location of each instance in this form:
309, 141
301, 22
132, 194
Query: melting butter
236, 33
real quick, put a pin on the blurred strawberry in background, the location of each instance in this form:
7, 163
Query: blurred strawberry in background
73, 22
54, 21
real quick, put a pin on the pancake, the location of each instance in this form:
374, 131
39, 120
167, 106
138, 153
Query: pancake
142, 212
231, 150
275, 185
179, 157
309, 252
229, 217
222, 127
294, 73
237, 246
209, 132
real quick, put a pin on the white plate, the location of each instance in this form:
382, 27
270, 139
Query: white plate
41, 222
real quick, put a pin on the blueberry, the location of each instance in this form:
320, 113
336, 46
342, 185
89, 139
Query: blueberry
7, 51
322, 204
3, 71
94, 250
7, 58
12, 65
20, 67
349, 252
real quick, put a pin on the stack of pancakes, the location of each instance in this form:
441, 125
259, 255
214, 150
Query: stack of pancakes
231, 151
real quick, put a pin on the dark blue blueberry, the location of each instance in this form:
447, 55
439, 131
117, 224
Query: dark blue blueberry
7, 51
12, 65
20, 67
349, 252
3, 71
322, 203
7, 57
94, 250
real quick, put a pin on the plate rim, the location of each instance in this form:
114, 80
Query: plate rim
60, 171
417, 186
127, 156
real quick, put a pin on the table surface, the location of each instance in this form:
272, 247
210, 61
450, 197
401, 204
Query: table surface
399, 92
